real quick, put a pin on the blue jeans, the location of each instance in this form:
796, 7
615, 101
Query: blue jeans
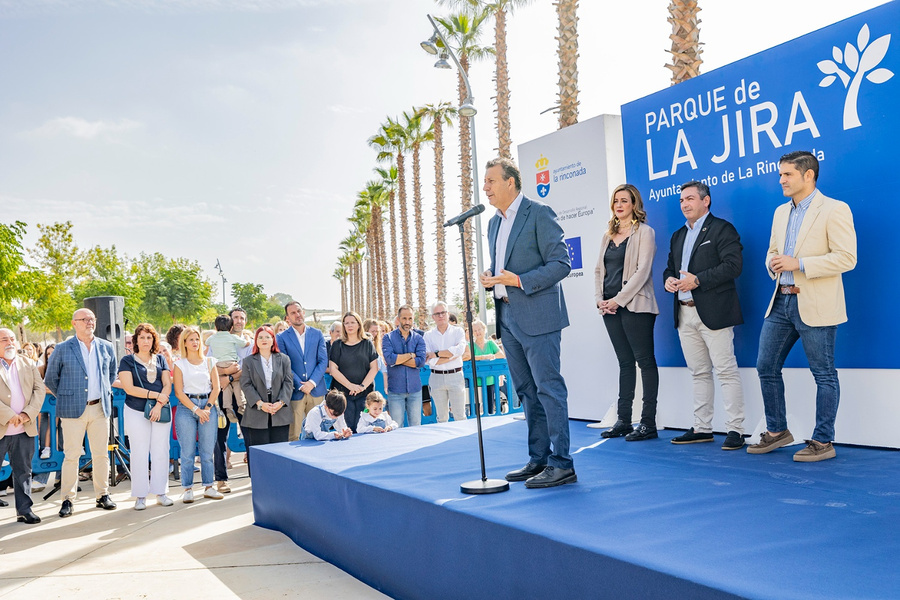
187, 427
406, 406
780, 331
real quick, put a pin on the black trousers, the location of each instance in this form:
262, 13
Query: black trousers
20, 448
631, 335
258, 437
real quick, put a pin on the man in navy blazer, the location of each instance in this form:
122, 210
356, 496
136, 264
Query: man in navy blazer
80, 374
306, 348
529, 259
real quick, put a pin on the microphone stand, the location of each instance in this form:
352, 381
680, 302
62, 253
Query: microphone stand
483, 485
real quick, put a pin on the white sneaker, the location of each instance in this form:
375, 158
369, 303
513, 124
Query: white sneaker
188, 496
164, 500
213, 493
140, 504
36, 487
45, 453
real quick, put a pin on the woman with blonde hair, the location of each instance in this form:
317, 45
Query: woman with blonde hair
196, 387
623, 281
144, 376
353, 364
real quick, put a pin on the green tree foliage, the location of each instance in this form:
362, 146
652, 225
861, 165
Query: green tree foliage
56, 253
106, 273
16, 279
51, 305
174, 289
251, 298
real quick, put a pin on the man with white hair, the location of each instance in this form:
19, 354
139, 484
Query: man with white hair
80, 374
21, 397
444, 347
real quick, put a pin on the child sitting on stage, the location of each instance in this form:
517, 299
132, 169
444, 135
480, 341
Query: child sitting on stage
375, 419
326, 421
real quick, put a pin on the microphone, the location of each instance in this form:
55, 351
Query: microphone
475, 210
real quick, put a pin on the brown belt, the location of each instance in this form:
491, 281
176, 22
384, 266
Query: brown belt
457, 370
788, 289
93, 402
686, 303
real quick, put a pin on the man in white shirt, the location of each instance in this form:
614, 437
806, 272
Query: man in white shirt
444, 347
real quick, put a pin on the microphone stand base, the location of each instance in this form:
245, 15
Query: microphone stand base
484, 486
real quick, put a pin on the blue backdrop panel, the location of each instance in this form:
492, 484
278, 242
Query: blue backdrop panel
644, 520
835, 92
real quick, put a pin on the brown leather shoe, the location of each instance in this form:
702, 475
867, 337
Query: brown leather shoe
222, 486
815, 451
769, 442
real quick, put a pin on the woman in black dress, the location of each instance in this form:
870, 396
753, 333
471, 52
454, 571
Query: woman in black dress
353, 364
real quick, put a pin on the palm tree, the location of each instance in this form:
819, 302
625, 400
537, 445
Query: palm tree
568, 59
362, 220
375, 197
463, 31
352, 247
500, 9
441, 114
416, 136
685, 38
389, 182
340, 273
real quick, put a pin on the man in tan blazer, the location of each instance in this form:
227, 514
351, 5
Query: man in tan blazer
21, 398
813, 242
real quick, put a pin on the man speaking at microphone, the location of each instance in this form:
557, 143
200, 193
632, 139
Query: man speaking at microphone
529, 258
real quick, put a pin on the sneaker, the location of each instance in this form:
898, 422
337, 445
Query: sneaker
692, 437
188, 496
733, 441
815, 451
140, 504
45, 453
164, 500
618, 430
222, 486
769, 442
37, 487
641, 433
212, 493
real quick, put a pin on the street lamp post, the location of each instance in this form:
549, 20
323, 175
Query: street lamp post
467, 109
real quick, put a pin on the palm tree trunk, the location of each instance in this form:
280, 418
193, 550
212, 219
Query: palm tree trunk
439, 208
501, 78
378, 248
568, 59
465, 165
420, 234
395, 272
344, 294
404, 228
685, 38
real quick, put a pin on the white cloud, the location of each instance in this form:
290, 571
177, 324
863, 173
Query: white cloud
84, 129
18, 8
342, 109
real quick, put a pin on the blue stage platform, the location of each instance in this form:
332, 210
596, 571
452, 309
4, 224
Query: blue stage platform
645, 520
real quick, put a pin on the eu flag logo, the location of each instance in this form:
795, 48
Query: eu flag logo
574, 246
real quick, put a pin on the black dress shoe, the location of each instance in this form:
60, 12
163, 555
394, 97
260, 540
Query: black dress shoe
4, 503
618, 430
66, 510
692, 437
733, 441
552, 477
526, 472
105, 502
641, 433
29, 518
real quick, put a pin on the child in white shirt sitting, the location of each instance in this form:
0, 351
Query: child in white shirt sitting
375, 419
326, 421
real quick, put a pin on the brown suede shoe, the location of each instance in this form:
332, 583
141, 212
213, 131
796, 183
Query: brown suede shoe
769, 442
815, 451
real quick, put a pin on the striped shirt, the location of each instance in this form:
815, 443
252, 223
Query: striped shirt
798, 211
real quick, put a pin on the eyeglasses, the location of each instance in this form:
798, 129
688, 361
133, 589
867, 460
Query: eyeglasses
439, 314
86, 321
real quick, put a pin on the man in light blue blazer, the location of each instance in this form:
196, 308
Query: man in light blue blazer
529, 259
306, 348
80, 374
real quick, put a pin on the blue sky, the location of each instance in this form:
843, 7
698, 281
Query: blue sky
237, 130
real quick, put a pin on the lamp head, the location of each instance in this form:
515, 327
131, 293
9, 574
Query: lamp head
442, 61
430, 45
467, 108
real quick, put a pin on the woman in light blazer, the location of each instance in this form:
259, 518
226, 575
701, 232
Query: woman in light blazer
624, 294
267, 383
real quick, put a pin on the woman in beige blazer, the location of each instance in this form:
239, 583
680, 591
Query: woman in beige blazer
624, 294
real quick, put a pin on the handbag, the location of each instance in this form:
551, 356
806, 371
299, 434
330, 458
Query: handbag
165, 414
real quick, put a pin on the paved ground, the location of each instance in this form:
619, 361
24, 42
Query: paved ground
208, 549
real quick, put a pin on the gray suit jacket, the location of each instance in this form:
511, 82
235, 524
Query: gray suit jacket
253, 384
33, 389
536, 252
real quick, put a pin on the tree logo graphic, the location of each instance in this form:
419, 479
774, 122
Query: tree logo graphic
860, 60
